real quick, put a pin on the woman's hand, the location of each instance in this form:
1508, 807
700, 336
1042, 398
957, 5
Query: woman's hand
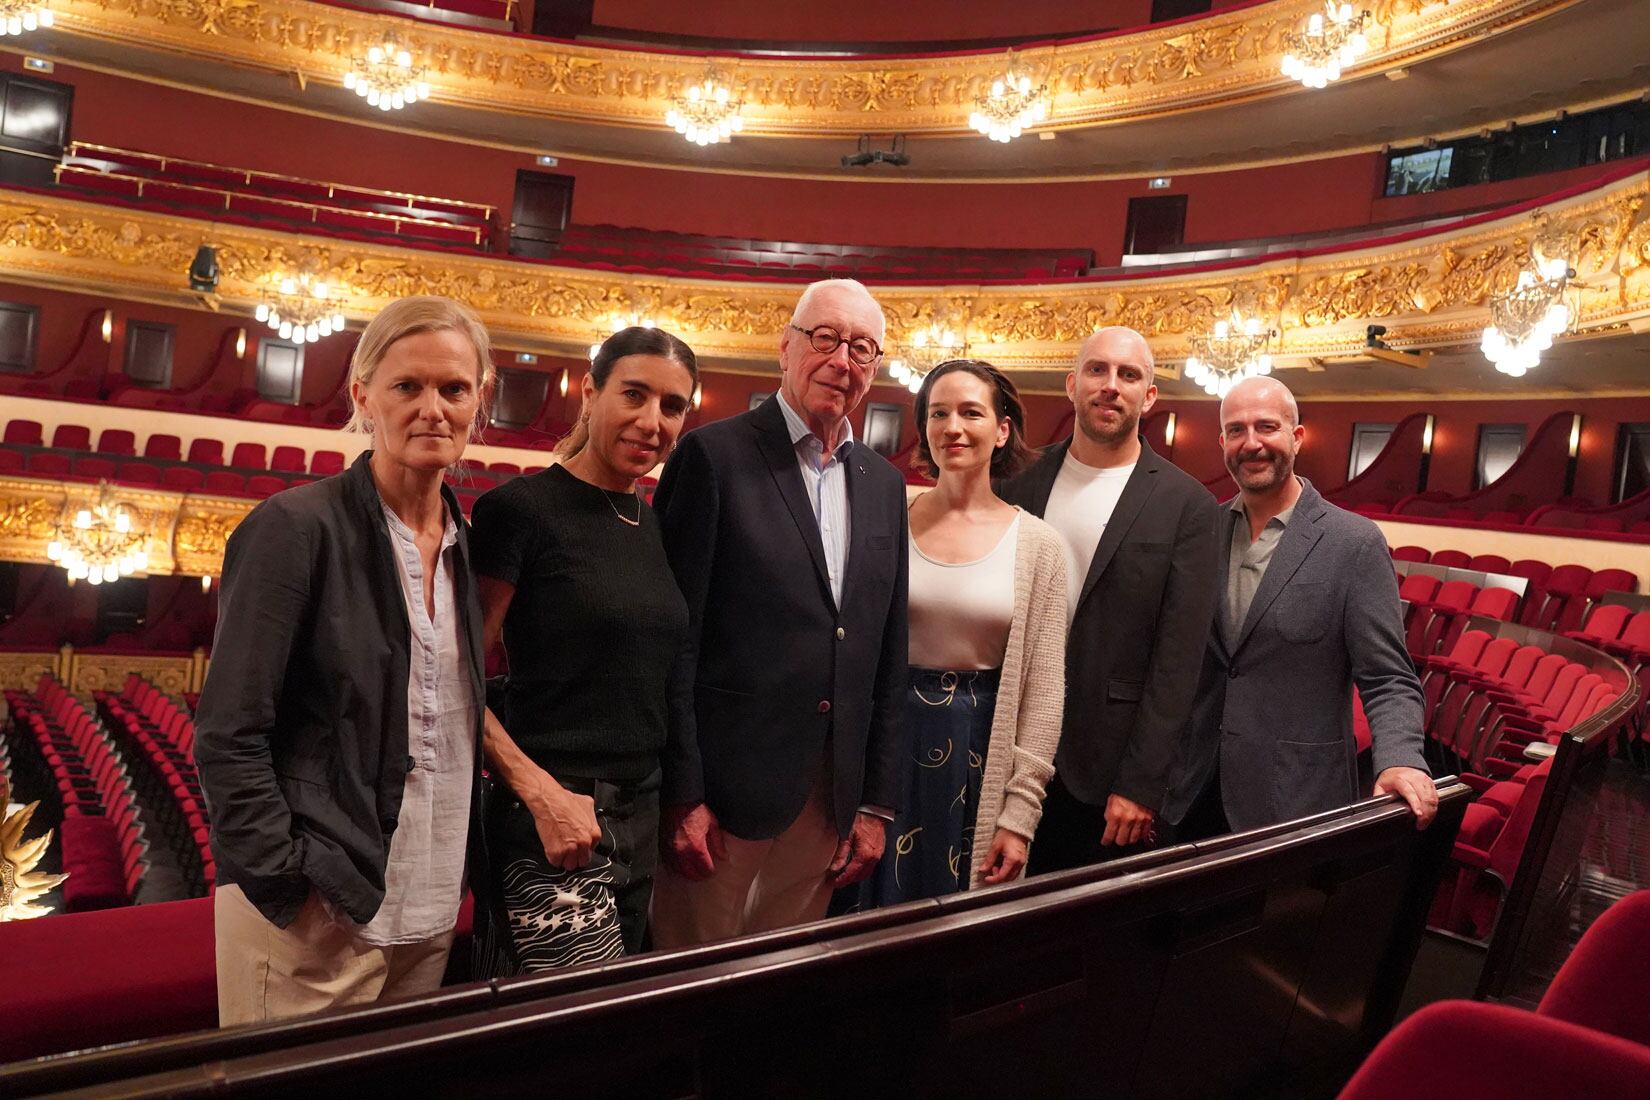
566, 823
1006, 859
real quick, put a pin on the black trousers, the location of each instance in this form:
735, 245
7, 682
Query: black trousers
1070, 832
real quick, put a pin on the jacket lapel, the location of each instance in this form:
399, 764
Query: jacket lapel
1223, 638
1298, 539
1135, 494
780, 454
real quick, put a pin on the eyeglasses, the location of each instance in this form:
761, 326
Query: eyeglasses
825, 340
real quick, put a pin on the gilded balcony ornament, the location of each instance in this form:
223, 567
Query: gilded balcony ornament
1226, 56
27, 517
21, 886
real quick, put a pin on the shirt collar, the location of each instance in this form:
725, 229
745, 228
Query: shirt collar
1281, 519
449, 534
799, 430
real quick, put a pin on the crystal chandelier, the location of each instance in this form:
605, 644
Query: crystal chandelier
100, 543
1237, 349
922, 351
1524, 320
300, 309
706, 113
20, 16
1333, 40
384, 76
1011, 107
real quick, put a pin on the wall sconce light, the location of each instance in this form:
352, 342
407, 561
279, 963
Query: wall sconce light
1575, 435
108, 329
206, 582
698, 395
1168, 431
240, 343
561, 387
1426, 437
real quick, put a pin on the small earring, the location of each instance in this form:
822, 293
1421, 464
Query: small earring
367, 426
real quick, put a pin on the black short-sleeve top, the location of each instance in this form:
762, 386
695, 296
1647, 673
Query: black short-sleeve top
594, 628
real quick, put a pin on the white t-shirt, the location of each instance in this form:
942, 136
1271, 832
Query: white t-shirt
960, 613
1079, 507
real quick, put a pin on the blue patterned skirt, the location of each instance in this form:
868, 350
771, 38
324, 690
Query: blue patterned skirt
931, 842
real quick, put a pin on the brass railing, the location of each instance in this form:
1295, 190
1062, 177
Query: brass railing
315, 209
250, 175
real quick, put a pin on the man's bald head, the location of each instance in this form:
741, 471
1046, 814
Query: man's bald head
1263, 391
1116, 339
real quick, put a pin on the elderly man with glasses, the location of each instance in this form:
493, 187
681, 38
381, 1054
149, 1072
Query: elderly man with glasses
788, 540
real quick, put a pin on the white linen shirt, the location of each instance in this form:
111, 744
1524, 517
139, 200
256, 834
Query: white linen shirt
826, 480
424, 876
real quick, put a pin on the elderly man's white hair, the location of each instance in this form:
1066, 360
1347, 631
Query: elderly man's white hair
1121, 330
851, 285
1264, 387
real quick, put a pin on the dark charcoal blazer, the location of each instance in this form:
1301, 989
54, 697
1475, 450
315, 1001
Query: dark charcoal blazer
776, 667
301, 730
1136, 644
1275, 703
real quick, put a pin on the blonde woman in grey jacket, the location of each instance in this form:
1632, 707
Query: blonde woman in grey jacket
987, 650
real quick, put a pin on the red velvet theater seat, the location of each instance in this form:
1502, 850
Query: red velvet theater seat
117, 441
1605, 983
166, 447
288, 460
206, 452
326, 463
1459, 1050
184, 478
72, 437
25, 433
249, 456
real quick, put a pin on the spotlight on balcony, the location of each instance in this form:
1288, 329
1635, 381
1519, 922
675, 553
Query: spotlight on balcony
203, 269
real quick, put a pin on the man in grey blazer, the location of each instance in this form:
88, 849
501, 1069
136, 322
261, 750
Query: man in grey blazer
1309, 609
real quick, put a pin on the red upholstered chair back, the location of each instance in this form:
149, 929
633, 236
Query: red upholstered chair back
1569, 580
287, 460
1452, 559
72, 437
1604, 622
167, 447
1544, 674
25, 433
1611, 580
249, 456
1605, 983
1411, 553
1495, 603
326, 463
11, 462
206, 452
182, 477
1636, 634
1491, 563
117, 441
1522, 665
1417, 587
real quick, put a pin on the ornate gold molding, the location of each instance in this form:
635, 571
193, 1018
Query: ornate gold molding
1224, 57
1428, 291
186, 532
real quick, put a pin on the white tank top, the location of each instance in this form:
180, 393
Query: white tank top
960, 614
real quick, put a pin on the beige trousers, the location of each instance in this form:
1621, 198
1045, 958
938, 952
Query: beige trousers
760, 886
267, 973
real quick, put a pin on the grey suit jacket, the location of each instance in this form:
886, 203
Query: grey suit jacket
1274, 704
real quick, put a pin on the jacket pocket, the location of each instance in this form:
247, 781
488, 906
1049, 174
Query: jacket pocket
1124, 691
1301, 612
1308, 777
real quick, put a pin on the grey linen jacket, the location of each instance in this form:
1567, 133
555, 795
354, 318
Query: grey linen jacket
1274, 704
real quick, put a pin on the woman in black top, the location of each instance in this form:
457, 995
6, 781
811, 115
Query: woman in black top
572, 571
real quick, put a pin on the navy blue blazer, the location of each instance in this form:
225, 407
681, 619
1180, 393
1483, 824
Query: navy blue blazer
777, 671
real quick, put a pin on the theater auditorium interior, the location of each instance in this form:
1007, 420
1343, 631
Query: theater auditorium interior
1427, 218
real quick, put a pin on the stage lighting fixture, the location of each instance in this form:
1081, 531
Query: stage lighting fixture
864, 156
203, 269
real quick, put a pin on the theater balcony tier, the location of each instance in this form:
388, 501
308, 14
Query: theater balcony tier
1428, 288
1202, 92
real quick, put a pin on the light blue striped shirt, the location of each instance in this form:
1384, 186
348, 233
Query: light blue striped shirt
826, 479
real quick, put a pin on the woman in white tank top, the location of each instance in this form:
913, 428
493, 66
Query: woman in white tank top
987, 650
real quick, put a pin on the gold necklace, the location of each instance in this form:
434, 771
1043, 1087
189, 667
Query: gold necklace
637, 522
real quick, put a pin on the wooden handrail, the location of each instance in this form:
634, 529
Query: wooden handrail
76, 148
314, 208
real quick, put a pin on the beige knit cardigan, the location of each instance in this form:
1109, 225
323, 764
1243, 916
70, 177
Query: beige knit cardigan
1031, 695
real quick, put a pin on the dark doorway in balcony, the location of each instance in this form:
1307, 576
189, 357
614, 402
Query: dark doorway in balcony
1157, 223
34, 128
544, 203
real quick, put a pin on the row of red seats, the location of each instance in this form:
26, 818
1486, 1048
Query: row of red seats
1610, 525
101, 838
1437, 611
1589, 1036
1556, 599
164, 734
121, 443
1487, 702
